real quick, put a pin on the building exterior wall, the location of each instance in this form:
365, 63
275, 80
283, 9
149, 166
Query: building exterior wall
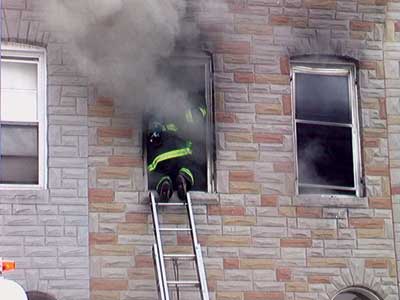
46, 231
259, 239
392, 75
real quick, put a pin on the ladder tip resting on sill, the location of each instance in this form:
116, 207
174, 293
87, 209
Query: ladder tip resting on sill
198, 198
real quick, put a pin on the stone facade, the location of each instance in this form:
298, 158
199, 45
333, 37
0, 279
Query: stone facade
46, 231
260, 240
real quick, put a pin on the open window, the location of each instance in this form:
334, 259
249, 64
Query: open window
22, 117
193, 75
326, 124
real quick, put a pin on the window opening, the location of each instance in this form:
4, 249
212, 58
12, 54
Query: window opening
356, 293
193, 77
326, 130
22, 117
36, 295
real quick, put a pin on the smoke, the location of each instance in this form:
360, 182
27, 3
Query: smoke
120, 45
312, 153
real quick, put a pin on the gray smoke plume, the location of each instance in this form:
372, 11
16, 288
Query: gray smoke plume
120, 44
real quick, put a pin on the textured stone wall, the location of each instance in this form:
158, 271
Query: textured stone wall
260, 240
392, 76
46, 231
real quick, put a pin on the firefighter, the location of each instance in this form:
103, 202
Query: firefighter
170, 141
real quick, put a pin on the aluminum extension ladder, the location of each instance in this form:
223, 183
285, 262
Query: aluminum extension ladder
160, 257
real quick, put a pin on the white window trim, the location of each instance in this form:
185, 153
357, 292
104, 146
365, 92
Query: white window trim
22, 51
333, 69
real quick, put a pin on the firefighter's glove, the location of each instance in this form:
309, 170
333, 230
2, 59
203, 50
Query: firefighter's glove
155, 139
155, 134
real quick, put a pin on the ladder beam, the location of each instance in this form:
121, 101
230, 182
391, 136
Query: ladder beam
197, 250
160, 256
156, 259
201, 273
192, 225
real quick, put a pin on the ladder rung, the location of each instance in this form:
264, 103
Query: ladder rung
184, 283
174, 229
179, 256
171, 204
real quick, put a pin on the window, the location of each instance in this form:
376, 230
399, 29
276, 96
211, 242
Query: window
193, 75
36, 295
326, 129
22, 116
356, 293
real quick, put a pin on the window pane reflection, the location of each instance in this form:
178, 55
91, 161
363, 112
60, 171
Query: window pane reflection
323, 98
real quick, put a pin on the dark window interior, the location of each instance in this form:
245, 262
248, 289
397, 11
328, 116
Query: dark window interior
324, 134
191, 79
19, 154
351, 296
325, 155
323, 98
35, 295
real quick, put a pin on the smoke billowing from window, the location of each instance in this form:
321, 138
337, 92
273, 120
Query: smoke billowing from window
119, 44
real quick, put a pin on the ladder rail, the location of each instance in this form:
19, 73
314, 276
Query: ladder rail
197, 250
157, 264
160, 257
156, 226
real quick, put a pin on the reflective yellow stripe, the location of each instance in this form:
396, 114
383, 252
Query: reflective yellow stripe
169, 155
203, 111
189, 116
188, 173
162, 180
171, 127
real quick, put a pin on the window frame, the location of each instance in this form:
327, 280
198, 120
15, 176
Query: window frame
197, 59
333, 68
32, 54
368, 293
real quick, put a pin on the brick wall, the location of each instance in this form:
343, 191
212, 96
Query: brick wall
46, 231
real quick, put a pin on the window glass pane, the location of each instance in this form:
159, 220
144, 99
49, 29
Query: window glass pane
18, 170
19, 154
18, 105
325, 155
19, 140
18, 91
18, 75
322, 98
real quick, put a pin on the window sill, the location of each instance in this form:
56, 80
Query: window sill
204, 198
330, 201
198, 198
23, 194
